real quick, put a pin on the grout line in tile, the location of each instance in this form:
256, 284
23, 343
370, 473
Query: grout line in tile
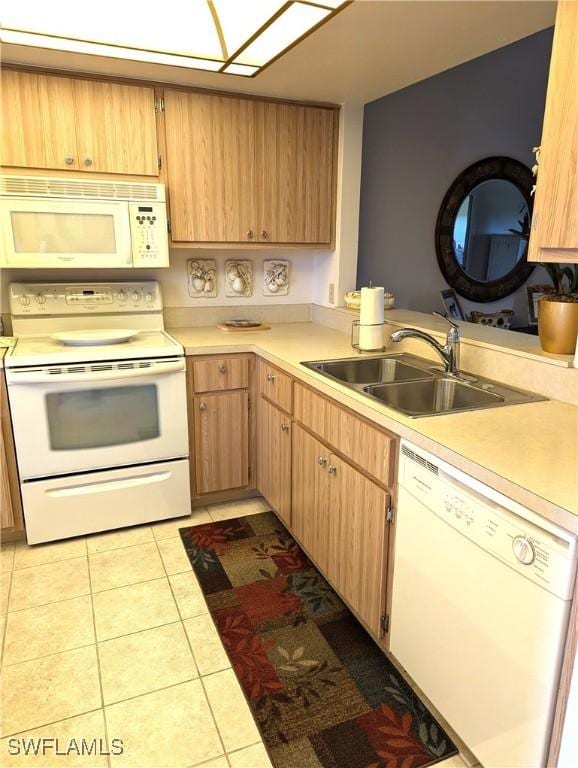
47, 655
49, 562
98, 666
148, 693
51, 602
240, 749
52, 722
138, 631
194, 659
6, 619
124, 586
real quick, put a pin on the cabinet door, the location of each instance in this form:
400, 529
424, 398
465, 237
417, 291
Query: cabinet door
295, 146
221, 450
358, 539
310, 495
274, 459
554, 235
116, 128
210, 167
39, 129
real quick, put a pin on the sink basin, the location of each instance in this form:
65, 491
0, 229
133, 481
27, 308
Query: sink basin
416, 387
372, 370
436, 395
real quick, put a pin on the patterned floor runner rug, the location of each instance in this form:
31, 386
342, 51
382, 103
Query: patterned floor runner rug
322, 693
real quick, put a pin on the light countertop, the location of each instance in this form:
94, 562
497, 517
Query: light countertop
528, 452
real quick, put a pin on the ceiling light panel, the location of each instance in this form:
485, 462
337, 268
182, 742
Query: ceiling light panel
295, 22
234, 36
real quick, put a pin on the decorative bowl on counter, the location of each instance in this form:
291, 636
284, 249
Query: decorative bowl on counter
353, 300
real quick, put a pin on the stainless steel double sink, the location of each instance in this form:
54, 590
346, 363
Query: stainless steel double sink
415, 387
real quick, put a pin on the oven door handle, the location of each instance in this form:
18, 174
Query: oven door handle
118, 374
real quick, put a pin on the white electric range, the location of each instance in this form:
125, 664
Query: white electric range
97, 393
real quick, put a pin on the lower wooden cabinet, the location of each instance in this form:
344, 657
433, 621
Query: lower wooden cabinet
274, 458
340, 517
358, 540
221, 441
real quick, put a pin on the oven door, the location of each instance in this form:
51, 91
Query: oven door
84, 417
64, 233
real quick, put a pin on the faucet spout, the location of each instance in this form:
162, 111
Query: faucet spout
449, 353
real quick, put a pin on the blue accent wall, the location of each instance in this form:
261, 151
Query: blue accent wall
417, 140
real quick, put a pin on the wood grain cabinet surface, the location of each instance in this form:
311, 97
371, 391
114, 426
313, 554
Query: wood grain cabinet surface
66, 123
554, 233
274, 458
365, 445
247, 171
220, 373
340, 518
221, 441
276, 386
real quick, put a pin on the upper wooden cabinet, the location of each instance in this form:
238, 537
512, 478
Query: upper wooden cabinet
294, 184
554, 234
241, 170
62, 123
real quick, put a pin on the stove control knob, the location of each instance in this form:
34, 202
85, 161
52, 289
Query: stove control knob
135, 295
523, 550
25, 301
148, 297
40, 298
121, 295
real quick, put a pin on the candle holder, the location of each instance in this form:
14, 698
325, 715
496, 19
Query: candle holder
355, 324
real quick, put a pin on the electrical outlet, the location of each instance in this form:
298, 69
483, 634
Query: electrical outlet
331, 296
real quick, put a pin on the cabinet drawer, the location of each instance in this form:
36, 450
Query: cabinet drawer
365, 445
276, 386
220, 373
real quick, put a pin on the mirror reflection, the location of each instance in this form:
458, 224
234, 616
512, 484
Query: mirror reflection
491, 230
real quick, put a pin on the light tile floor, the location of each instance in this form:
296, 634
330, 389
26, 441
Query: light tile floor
109, 637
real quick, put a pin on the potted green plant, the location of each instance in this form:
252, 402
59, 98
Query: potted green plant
558, 311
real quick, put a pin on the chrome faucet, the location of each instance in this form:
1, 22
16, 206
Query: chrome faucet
450, 353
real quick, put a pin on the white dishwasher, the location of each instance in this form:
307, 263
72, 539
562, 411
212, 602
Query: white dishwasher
481, 595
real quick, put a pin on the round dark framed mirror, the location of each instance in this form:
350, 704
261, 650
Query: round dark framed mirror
483, 228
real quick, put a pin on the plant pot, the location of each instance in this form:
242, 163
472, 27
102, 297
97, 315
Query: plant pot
558, 325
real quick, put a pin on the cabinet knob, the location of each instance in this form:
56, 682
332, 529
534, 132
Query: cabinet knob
222, 368
88, 161
249, 234
332, 469
264, 234
285, 427
322, 461
271, 377
68, 159
203, 407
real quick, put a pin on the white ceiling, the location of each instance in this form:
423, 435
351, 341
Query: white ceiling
372, 48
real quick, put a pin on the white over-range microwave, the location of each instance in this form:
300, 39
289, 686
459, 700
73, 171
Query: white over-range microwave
72, 222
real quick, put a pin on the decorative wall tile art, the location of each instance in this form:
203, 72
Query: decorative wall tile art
275, 278
202, 278
238, 278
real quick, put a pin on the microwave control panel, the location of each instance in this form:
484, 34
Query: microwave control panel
149, 234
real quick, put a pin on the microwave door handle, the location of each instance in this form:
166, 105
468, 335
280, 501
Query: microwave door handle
39, 377
83, 489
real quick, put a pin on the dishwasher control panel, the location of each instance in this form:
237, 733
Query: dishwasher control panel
538, 554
